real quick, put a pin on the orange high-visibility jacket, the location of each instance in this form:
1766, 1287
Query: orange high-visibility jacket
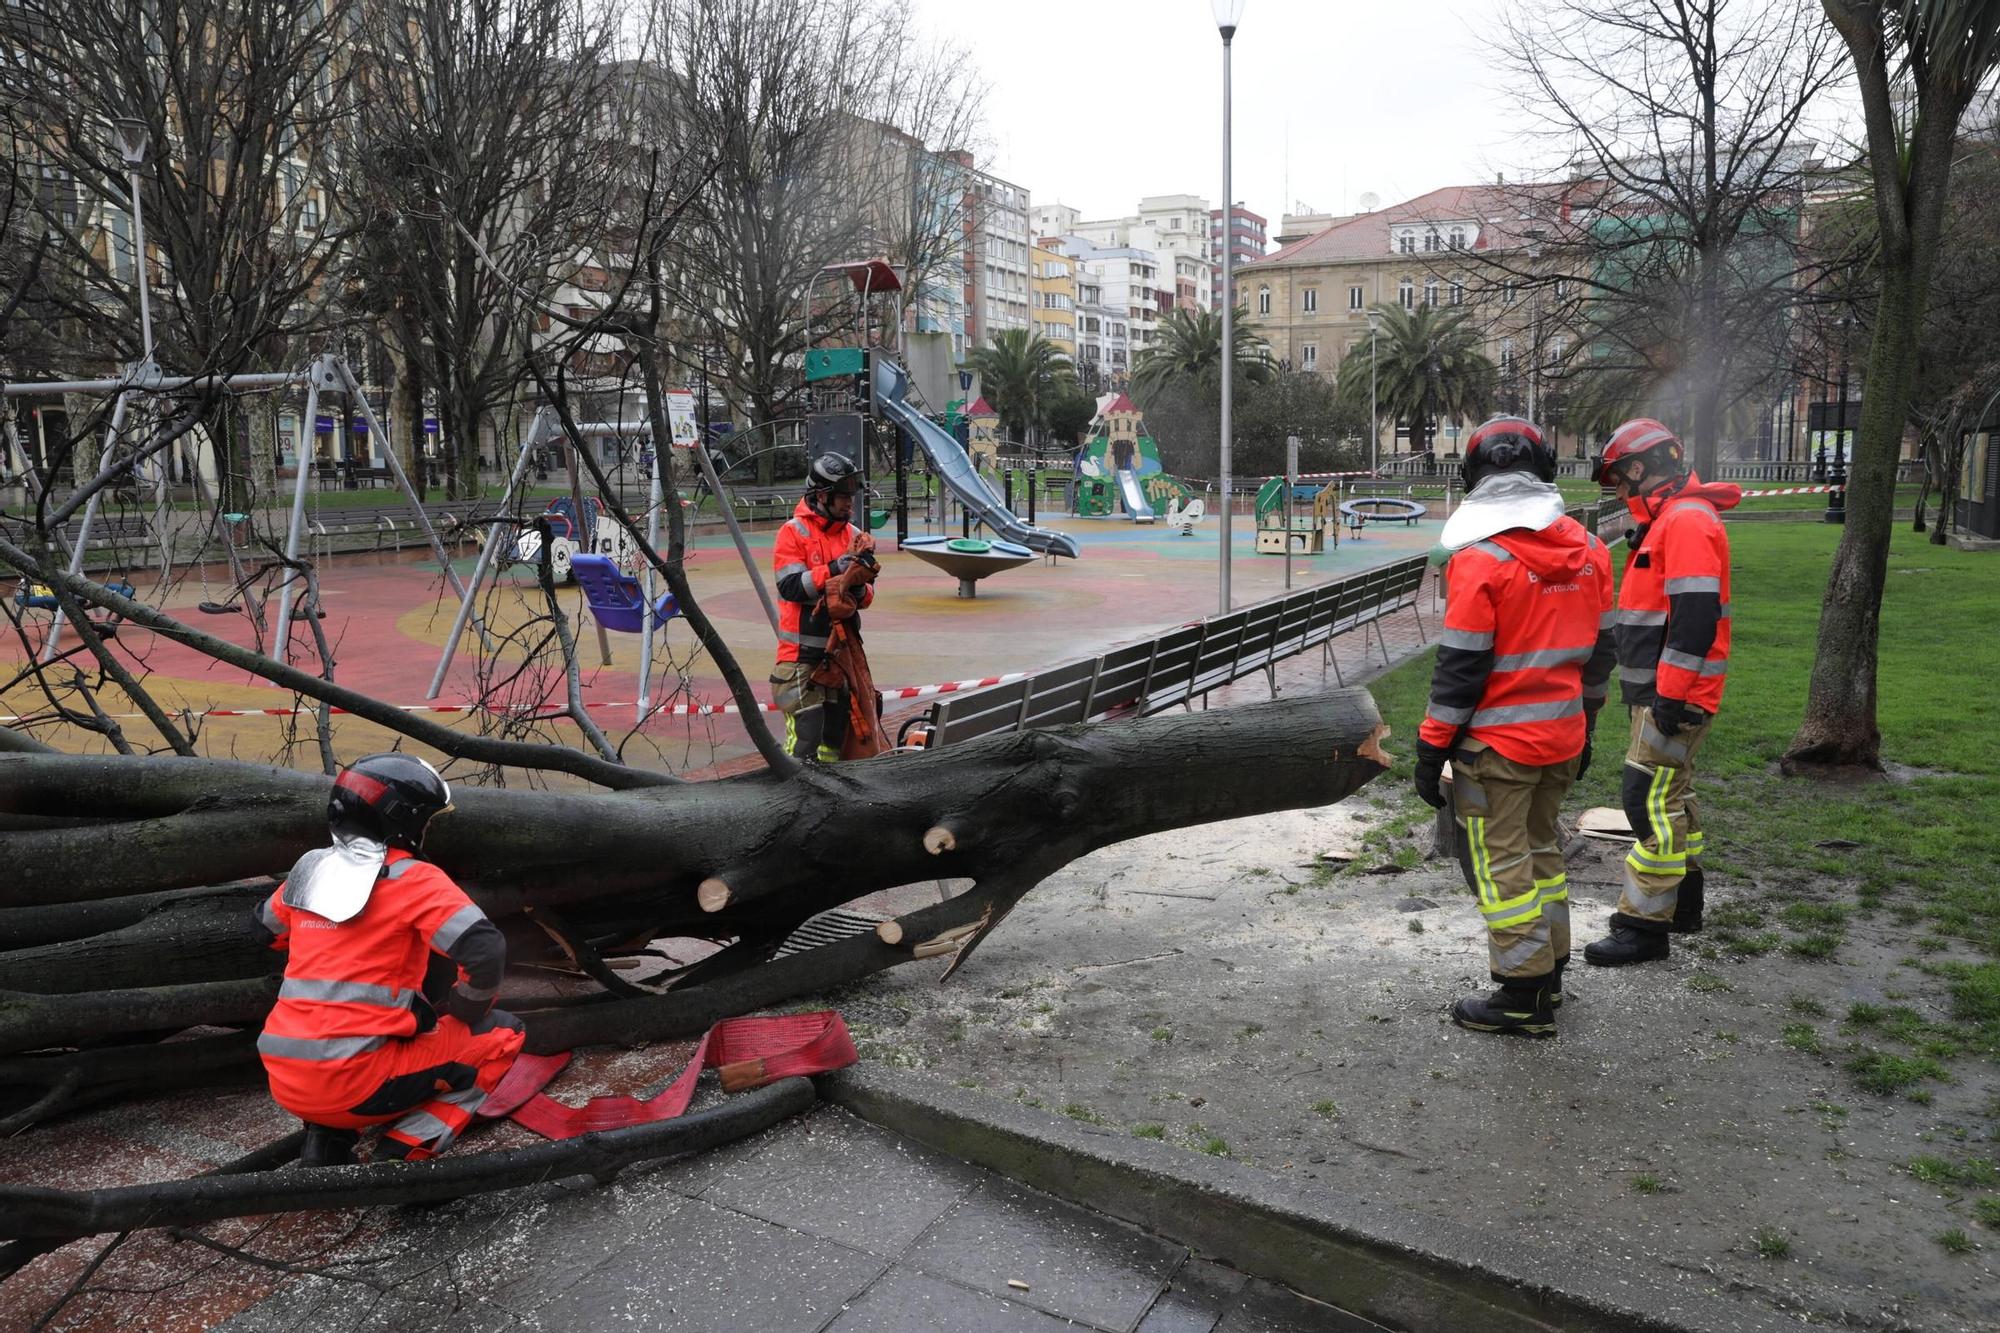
1673, 602
802, 558
352, 987
1524, 661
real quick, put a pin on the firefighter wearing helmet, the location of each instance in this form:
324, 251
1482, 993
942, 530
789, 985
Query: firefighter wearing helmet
1523, 665
1673, 654
385, 1015
822, 563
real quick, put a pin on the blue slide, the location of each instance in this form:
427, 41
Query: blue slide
954, 466
1136, 503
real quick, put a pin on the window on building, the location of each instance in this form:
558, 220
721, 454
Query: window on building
119, 223
1407, 243
1430, 241
1431, 292
1406, 293
1354, 298
1309, 356
1263, 300
1458, 293
1312, 300
1506, 356
1562, 289
1507, 294
1557, 346
1458, 238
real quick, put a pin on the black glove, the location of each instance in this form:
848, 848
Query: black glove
1670, 716
1430, 772
840, 564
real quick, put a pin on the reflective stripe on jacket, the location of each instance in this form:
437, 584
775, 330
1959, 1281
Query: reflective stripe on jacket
353, 986
1673, 602
802, 559
1526, 652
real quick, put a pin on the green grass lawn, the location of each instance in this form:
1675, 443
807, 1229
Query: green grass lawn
1928, 842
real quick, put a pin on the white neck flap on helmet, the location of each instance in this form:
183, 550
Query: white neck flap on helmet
334, 882
1502, 501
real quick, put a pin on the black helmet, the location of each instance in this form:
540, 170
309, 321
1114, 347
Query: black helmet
389, 798
1507, 444
830, 474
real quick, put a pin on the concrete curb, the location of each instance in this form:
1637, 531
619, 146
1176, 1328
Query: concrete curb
1362, 1255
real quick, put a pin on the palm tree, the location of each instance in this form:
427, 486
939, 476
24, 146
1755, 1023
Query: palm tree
1428, 365
1190, 348
1023, 375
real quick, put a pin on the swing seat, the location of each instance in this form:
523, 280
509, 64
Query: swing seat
40, 597
615, 600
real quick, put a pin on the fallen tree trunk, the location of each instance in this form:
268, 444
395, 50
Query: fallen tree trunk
745, 859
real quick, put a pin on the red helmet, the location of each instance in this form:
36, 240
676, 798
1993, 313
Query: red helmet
1645, 439
1507, 444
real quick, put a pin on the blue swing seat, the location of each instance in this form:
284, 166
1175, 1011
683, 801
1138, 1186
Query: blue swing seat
614, 596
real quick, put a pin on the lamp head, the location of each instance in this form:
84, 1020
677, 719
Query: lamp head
1228, 14
135, 140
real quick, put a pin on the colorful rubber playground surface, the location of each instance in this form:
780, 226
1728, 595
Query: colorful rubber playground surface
388, 616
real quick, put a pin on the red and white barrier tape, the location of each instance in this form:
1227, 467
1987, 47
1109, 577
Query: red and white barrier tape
1793, 490
665, 710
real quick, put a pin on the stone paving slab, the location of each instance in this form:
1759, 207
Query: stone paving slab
826, 1223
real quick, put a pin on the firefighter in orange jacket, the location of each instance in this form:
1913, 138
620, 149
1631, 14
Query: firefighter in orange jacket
386, 1010
816, 546
1523, 666
1673, 654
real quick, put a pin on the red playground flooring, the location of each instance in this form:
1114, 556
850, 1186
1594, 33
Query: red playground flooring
387, 617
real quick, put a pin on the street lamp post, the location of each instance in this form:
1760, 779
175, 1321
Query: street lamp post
1374, 417
1228, 14
134, 144
1836, 500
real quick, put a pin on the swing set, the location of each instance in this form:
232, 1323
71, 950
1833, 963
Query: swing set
144, 385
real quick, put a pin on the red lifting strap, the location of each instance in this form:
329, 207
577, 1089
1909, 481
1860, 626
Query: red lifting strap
747, 1052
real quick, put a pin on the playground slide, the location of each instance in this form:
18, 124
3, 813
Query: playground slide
1136, 503
950, 461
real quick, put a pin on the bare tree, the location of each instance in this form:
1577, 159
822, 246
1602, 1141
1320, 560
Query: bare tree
815, 117
487, 124
238, 101
1940, 53
1671, 254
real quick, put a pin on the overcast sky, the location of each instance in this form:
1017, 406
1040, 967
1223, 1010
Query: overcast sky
1094, 103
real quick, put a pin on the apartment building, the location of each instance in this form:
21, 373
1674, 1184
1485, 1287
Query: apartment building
1052, 281
1118, 315
1245, 241
997, 287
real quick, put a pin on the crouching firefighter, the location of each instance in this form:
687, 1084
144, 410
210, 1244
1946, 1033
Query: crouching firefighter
1673, 654
821, 560
386, 1012
1523, 666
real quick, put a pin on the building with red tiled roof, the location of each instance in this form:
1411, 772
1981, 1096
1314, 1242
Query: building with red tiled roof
1309, 300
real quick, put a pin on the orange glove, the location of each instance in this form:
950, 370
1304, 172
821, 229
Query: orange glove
861, 544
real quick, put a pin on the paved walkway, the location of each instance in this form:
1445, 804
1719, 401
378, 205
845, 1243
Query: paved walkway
825, 1223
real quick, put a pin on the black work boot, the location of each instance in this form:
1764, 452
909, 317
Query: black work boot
1626, 944
1556, 983
1688, 903
1516, 1009
325, 1146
